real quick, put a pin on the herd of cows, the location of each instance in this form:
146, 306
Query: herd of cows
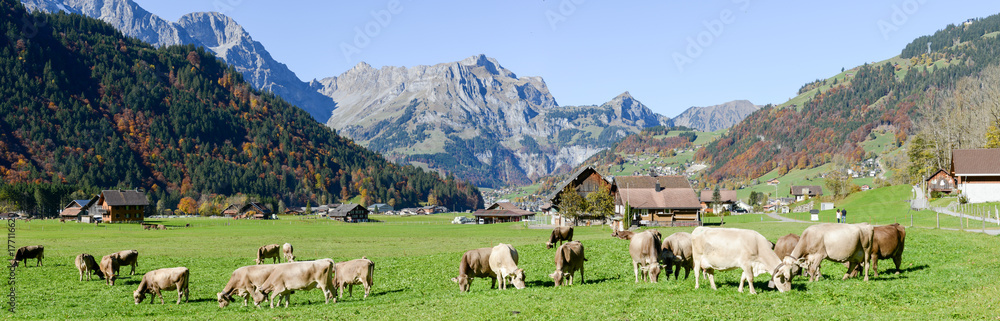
704, 250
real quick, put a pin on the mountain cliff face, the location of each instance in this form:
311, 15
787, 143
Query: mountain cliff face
716, 117
215, 31
476, 119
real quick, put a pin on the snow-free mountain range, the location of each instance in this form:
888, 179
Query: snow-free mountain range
472, 118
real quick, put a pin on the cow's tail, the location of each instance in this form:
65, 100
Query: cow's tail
185, 280
371, 272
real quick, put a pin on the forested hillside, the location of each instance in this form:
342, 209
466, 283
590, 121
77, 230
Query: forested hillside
85, 107
834, 121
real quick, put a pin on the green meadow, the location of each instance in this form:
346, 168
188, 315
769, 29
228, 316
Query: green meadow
946, 275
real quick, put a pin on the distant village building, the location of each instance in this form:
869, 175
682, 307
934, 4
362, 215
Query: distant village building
348, 212
726, 200
78, 210
659, 201
380, 208
801, 192
941, 181
503, 212
250, 210
123, 206
977, 173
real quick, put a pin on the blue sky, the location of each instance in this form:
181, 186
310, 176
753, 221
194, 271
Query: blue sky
668, 54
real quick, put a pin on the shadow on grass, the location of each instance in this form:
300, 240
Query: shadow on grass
388, 292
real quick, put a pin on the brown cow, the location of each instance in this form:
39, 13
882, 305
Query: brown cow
677, 252
721, 249
625, 235
163, 279
560, 234
474, 264
785, 245
835, 242
503, 262
644, 248
147, 226
353, 272
30, 252
569, 258
268, 251
297, 276
127, 257
109, 266
887, 243
87, 265
161, 227
243, 282
287, 250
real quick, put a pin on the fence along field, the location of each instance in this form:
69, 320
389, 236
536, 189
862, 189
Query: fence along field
946, 274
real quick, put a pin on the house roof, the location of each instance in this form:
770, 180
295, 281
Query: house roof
501, 213
966, 162
258, 207
814, 190
576, 178
70, 212
667, 198
725, 196
124, 197
508, 206
344, 209
643, 182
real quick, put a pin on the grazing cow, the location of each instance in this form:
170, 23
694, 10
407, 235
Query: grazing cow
836, 242
569, 258
297, 276
127, 257
354, 272
86, 264
286, 249
887, 243
721, 249
625, 235
109, 266
161, 227
785, 245
644, 248
560, 234
474, 264
24, 253
503, 262
163, 279
272, 251
676, 251
147, 226
243, 282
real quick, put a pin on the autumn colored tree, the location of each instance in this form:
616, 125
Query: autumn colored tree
600, 203
571, 204
188, 205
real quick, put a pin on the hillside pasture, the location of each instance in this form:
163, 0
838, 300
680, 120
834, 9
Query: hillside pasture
946, 274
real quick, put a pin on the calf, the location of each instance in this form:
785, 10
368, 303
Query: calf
86, 264
109, 266
503, 262
24, 253
474, 264
569, 258
286, 249
297, 276
625, 235
677, 251
559, 234
887, 243
644, 248
272, 251
850, 243
163, 279
721, 249
128, 257
243, 282
354, 272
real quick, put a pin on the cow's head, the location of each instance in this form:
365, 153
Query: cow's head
258, 297
258, 261
518, 280
463, 282
558, 276
548, 245
654, 272
781, 277
796, 266
290, 257
223, 299
139, 296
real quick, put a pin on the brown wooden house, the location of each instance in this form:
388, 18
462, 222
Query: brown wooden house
801, 192
586, 180
77, 210
348, 212
658, 200
941, 181
726, 200
123, 206
503, 212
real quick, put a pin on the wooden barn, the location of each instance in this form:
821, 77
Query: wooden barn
726, 200
348, 212
801, 192
123, 206
657, 200
941, 181
503, 212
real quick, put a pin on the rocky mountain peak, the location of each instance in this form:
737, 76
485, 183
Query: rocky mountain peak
213, 29
716, 117
489, 64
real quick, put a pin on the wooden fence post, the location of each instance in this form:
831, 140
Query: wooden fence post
938, 220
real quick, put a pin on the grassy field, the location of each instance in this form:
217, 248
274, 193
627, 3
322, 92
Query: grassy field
946, 274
